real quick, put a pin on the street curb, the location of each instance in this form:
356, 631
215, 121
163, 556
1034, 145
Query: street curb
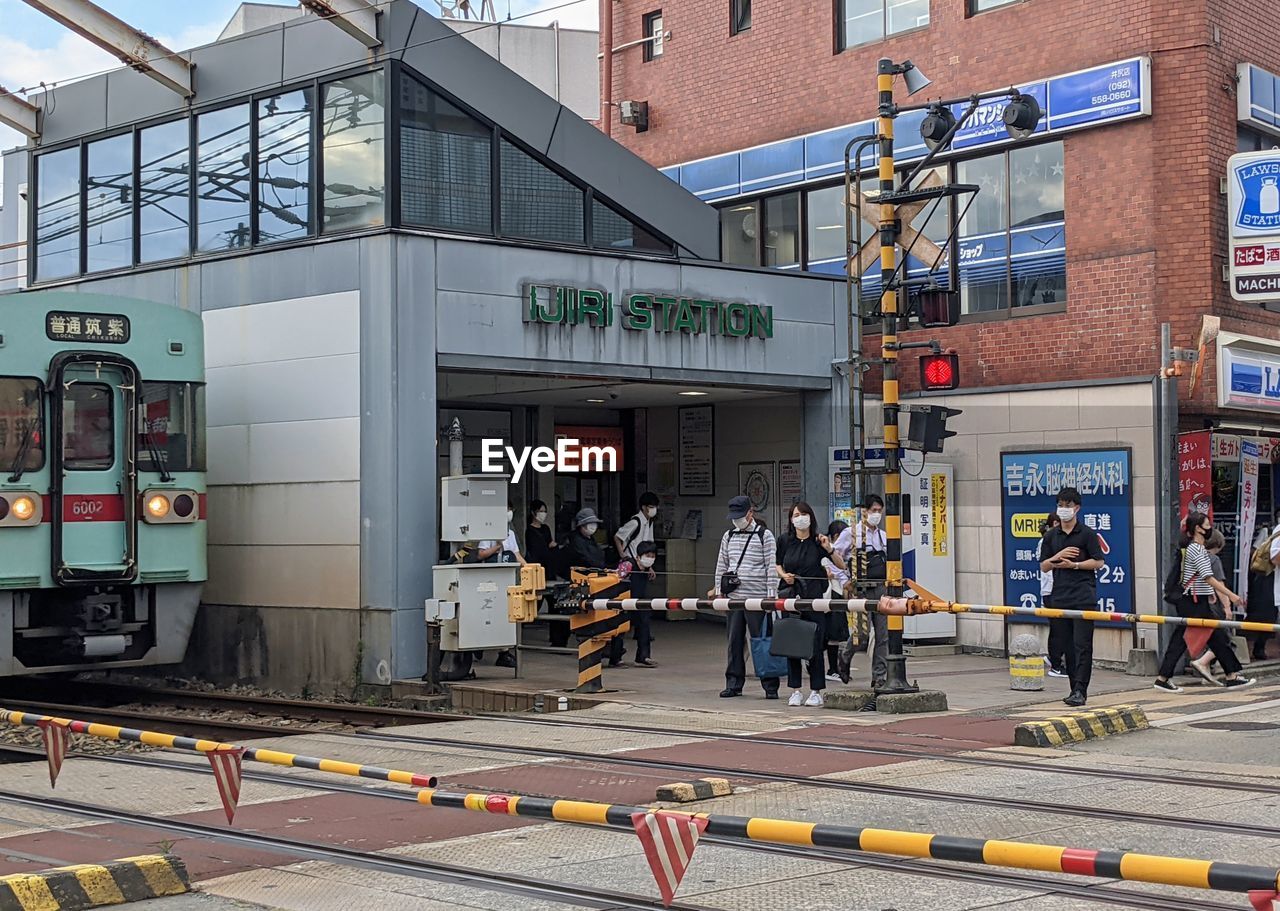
1082, 726
84, 886
699, 789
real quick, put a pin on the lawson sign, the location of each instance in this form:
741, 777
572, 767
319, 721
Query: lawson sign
1248, 373
1253, 203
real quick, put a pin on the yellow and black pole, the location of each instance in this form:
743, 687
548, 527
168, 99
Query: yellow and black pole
896, 681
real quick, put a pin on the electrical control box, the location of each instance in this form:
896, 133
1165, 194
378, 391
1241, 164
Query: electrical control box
473, 507
471, 605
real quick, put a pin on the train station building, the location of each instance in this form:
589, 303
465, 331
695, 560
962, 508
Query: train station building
382, 240
1084, 238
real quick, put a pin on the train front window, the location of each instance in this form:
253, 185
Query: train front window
21, 436
88, 430
168, 431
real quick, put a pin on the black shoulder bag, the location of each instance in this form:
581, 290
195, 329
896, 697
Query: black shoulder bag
729, 582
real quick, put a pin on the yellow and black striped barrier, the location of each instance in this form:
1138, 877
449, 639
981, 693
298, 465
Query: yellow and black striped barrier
1080, 726
83, 886
172, 741
1126, 865
596, 628
698, 789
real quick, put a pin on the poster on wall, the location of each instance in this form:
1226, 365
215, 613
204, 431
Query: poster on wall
790, 483
1029, 485
664, 485
1195, 473
1248, 512
757, 483
696, 468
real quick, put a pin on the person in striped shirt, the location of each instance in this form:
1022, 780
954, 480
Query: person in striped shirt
1198, 589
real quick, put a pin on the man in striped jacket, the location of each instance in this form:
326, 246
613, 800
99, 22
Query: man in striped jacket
745, 567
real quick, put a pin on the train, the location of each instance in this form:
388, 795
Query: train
103, 457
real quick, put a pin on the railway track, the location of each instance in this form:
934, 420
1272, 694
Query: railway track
987, 876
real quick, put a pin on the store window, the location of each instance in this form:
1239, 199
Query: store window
21, 442
164, 191
58, 214
612, 231
445, 163
981, 6
109, 204
222, 179
283, 123
351, 131
865, 21
653, 31
984, 260
739, 233
782, 231
537, 203
739, 16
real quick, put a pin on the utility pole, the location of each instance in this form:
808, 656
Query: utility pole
896, 681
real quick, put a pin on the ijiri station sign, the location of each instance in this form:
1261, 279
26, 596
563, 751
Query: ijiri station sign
1253, 201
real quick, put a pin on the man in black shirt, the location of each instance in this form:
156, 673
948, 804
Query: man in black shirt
1074, 556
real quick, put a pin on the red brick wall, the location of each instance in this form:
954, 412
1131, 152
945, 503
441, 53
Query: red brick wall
1146, 222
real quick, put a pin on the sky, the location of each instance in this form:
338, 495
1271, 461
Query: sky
33, 47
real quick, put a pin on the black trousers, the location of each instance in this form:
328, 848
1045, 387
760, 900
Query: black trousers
1080, 649
641, 621
1219, 641
1059, 640
816, 661
735, 672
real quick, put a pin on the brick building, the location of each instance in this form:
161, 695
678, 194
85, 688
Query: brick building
1110, 220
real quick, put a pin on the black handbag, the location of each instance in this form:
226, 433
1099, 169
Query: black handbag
794, 638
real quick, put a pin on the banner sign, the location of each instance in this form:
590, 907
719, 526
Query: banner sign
1029, 486
1248, 514
1195, 473
1248, 373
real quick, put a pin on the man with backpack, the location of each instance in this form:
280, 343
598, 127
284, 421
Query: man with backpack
628, 539
745, 569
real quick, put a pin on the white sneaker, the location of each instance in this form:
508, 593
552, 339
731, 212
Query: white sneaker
815, 699
833, 676
797, 698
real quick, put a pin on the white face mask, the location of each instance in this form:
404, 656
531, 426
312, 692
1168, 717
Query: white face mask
650, 511
510, 515
800, 523
646, 562
590, 528
873, 518
741, 524
541, 516
1066, 513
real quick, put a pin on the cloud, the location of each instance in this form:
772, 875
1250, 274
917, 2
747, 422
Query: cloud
583, 14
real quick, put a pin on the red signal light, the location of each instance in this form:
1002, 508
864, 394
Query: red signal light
939, 372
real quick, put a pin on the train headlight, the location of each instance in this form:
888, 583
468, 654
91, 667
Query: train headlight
170, 507
19, 508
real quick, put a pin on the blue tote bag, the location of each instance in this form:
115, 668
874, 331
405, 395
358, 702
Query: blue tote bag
766, 665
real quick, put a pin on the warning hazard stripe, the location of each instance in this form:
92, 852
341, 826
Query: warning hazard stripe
82, 886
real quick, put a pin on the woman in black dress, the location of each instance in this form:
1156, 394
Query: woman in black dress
799, 564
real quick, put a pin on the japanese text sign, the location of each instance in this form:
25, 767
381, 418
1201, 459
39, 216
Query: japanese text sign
1195, 472
110, 328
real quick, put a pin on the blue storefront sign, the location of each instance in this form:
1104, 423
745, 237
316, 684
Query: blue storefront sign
1255, 200
1248, 374
1256, 93
1093, 97
1029, 486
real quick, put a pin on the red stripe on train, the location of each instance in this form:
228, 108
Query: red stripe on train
94, 507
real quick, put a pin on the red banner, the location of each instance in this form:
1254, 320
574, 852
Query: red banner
1195, 473
595, 437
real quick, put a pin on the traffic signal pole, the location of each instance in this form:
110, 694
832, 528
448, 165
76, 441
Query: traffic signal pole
896, 681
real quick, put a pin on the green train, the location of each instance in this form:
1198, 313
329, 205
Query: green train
102, 481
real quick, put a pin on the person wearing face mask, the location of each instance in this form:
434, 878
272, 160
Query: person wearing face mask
744, 569
1074, 556
631, 534
864, 547
801, 552
641, 620
584, 552
539, 543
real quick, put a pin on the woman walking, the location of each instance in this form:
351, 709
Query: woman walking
1198, 588
800, 554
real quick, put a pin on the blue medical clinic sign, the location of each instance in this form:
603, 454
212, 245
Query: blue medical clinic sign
1029, 485
1256, 207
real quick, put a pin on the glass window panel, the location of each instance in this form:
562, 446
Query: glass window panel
353, 136
164, 427
20, 425
199, 440
222, 179
978, 6
782, 226
538, 203
739, 227
653, 29
741, 15
615, 232
445, 163
284, 166
1036, 184
58, 214
863, 21
88, 432
826, 227
164, 192
984, 258
907, 14
1038, 234
987, 212
109, 204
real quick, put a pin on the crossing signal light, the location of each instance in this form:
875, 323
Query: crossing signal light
939, 308
927, 429
939, 372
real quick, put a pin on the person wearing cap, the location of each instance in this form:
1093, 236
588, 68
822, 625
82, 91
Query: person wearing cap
584, 552
745, 566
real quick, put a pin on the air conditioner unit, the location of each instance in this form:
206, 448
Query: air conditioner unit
635, 114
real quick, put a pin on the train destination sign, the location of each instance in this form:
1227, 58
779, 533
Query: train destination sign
645, 311
109, 328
